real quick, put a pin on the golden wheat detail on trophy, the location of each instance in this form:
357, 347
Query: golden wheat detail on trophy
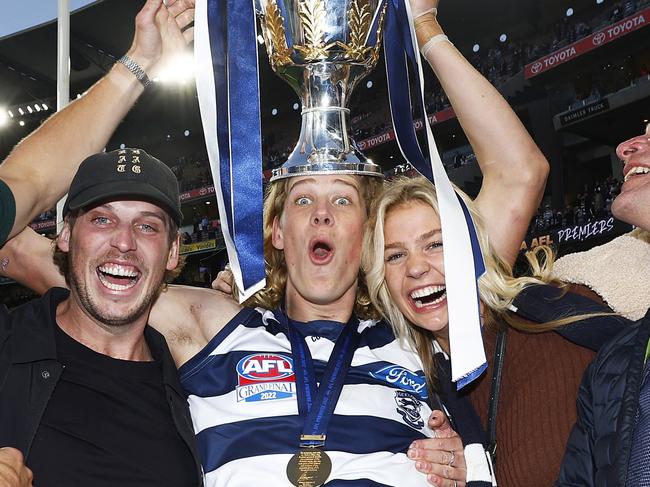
359, 20
280, 54
312, 15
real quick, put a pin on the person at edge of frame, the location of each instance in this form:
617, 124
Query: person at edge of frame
609, 442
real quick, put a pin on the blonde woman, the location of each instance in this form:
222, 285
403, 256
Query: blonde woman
403, 262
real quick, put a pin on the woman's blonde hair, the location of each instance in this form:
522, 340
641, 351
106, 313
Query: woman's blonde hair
276, 270
497, 287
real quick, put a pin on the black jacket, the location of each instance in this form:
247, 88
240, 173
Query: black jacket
29, 372
598, 450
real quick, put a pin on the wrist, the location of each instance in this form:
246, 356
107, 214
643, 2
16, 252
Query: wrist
426, 27
124, 82
135, 69
417, 15
145, 62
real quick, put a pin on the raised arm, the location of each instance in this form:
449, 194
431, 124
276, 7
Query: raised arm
39, 169
514, 169
189, 317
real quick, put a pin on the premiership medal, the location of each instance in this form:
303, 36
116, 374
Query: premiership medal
310, 467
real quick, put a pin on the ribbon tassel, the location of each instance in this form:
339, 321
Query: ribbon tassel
462, 257
225, 49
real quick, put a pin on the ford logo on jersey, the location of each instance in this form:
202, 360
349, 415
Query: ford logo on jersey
403, 379
265, 377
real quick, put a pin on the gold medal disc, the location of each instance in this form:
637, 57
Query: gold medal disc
310, 467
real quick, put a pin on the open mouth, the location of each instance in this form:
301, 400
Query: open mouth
429, 295
321, 251
118, 277
635, 171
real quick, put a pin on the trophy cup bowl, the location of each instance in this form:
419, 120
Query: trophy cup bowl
322, 48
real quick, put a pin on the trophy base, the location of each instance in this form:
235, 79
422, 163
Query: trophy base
325, 168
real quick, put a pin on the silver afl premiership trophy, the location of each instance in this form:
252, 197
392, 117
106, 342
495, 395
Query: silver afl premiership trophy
323, 48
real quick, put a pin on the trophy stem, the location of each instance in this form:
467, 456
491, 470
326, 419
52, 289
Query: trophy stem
324, 134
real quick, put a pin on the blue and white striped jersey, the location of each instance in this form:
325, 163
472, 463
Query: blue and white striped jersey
242, 395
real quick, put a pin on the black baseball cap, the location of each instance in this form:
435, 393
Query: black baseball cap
130, 173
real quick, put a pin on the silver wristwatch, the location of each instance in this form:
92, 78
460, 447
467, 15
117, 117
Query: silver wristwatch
136, 69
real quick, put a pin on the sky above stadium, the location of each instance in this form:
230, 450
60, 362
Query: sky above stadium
20, 15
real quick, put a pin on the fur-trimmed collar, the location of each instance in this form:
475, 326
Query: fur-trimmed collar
618, 271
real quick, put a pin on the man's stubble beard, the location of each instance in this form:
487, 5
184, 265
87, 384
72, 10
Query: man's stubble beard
81, 290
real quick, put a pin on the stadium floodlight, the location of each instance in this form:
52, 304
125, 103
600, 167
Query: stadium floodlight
21, 111
4, 117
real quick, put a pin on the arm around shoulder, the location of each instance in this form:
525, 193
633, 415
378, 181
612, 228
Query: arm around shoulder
27, 259
199, 312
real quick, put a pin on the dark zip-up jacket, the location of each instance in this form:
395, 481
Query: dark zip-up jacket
598, 450
29, 373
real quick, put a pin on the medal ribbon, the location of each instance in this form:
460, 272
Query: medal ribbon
463, 258
317, 403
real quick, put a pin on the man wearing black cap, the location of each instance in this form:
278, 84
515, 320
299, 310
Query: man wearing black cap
37, 172
90, 393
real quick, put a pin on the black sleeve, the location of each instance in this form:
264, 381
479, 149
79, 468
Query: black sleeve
5, 354
7, 211
546, 303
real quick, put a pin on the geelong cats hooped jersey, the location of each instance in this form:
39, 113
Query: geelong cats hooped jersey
242, 395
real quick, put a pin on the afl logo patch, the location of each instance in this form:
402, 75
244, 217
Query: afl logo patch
265, 377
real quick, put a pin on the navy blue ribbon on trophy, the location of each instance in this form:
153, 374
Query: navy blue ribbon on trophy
236, 157
317, 403
400, 50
